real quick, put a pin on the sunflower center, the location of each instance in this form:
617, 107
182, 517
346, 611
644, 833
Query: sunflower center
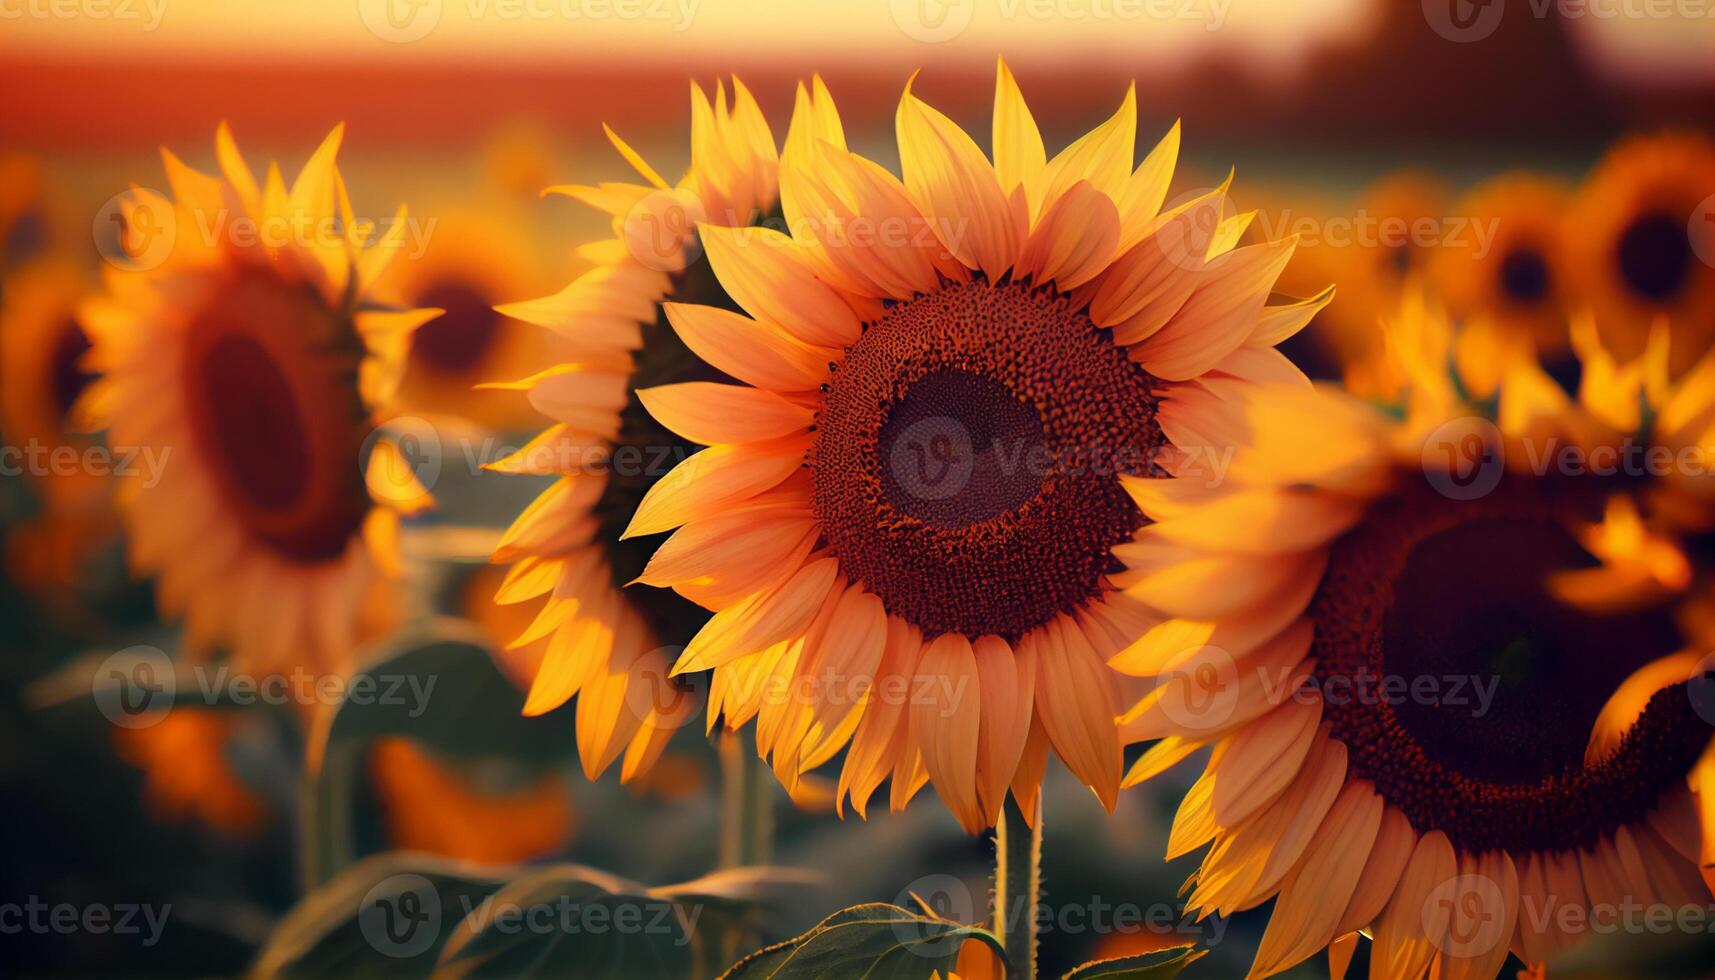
66, 377
1467, 692
968, 453
1524, 275
1654, 254
957, 449
455, 341
26, 238
271, 389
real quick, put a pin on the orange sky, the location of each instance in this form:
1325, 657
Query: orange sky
924, 31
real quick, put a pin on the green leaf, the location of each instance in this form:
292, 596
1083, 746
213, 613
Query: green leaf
569, 920
135, 686
1161, 964
384, 916
437, 685
878, 942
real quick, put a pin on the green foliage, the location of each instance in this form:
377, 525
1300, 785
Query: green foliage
411, 914
882, 942
1162, 964
387, 915
438, 685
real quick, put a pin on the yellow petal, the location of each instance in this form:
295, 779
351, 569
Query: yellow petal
1007, 687
713, 414
1075, 698
714, 479
764, 273
1019, 157
1402, 947
946, 725
762, 620
955, 187
750, 351
1074, 240
1102, 157
1313, 895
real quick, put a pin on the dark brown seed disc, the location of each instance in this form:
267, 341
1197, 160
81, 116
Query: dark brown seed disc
1466, 692
968, 453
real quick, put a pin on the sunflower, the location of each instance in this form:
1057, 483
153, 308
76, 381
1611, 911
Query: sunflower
910, 504
471, 262
1506, 269
250, 365
187, 773
1373, 251
1447, 667
23, 224
587, 637
429, 805
1643, 243
41, 344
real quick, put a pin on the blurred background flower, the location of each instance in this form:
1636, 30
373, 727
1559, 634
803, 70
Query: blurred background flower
1403, 148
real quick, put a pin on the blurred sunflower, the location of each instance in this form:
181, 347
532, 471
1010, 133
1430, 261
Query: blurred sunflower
1507, 273
23, 222
250, 363
1372, 254
187, 773
472, 261
910, 504
1349, 560
1633, 252
588, 638
431, 805
41, 377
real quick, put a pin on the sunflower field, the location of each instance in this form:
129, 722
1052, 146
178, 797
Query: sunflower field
800, 489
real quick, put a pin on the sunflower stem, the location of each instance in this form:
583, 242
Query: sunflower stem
747, 803
1018, 886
